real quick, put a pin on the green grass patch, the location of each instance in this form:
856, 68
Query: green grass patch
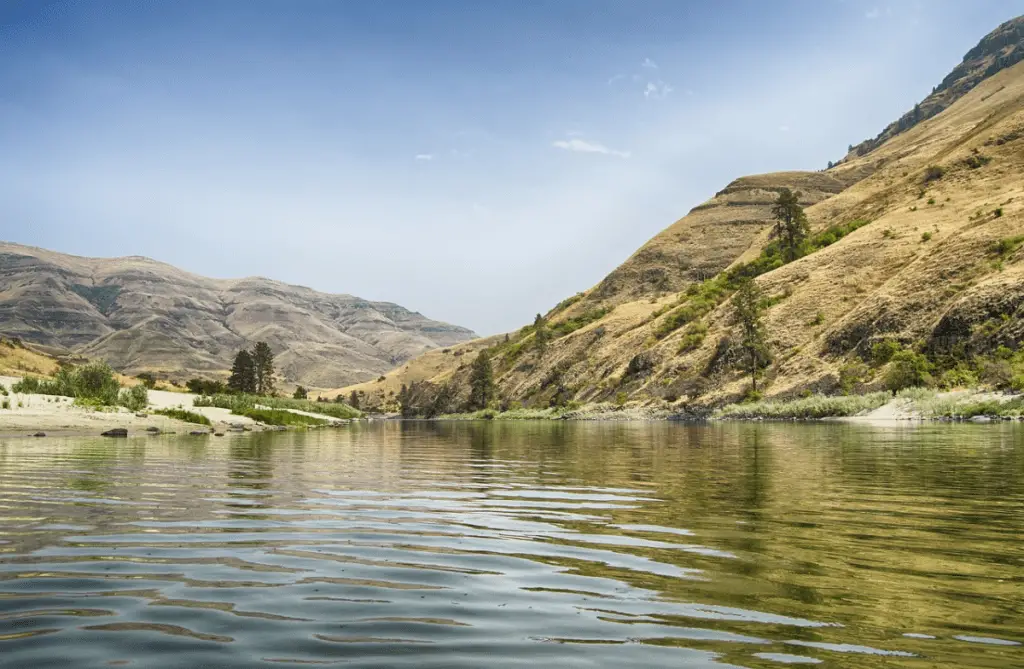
240, 403
185, 415
805, 408
281, 417
569, 325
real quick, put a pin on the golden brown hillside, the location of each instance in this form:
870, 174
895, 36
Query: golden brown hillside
932, 258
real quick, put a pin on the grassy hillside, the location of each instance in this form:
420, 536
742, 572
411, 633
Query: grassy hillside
919, 245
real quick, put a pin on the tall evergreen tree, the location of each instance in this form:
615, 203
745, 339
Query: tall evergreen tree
300, 393
353, 399
481, 382
749, 308
263, 366
540, 332
243, 373
790, 227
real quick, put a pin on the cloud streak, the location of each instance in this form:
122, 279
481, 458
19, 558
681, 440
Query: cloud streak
424, 157
584, 146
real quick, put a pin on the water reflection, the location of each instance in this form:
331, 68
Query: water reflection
504, 544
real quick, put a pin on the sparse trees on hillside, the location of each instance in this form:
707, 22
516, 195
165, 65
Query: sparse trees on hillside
481, 382
749, 306
243, 373
790, 227
263, 367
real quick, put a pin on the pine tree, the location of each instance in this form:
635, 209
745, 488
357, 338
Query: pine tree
481, 382
749, 308
263, 367
353, 400
790, 227
300, 393
540, 332
243, 374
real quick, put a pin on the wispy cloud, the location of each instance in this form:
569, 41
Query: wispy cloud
615, 78
425, 157
649, 64
875, 13
584, 146
657, 90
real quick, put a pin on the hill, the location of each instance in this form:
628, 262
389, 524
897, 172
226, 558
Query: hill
142, 315
918, 246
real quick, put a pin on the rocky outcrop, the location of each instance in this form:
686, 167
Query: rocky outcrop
142, 315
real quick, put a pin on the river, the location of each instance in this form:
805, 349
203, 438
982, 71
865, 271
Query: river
540, 544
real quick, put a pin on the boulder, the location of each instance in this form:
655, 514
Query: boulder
39, 434
116, 432
153, 429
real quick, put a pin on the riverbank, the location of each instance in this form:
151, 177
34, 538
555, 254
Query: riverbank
31, 414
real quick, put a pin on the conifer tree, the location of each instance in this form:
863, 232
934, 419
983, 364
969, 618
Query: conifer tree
263, 368
749, 308
243, 373
790, 227
481, 382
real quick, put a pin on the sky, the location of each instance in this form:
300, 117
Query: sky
474, 161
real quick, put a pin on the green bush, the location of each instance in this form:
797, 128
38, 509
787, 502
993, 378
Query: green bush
93, 382
932, 173
147, 379
851, 375
926, 236
883, 351
185, 415
3, 390
908, 369
135, 398
6, 403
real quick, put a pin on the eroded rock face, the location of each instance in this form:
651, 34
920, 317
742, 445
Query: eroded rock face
142, 315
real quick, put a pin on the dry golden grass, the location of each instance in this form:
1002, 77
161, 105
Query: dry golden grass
886, 277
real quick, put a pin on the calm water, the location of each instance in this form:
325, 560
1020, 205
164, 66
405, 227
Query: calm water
517, 545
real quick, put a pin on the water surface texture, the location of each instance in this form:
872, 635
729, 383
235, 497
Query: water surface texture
517, 545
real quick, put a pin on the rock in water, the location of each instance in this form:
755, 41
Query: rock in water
39, 434
116, 432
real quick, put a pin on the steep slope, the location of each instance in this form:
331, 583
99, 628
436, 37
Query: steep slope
143, 315
1000, 49
927, 237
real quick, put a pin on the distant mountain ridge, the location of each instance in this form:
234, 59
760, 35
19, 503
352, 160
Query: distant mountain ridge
143, 315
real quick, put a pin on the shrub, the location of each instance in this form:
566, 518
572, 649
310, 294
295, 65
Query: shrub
998, 212
976, 160
851, 375
147, 380
3, 390
93, 381
300, 393
620, 399
926, 236
185, 415
205, 387
932, 173
1005, 247
135, 398
6, 403
931, 200
961, 376
908, 369
883, 351
240, 403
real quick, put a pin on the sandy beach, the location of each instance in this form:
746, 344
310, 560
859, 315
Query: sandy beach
29, 414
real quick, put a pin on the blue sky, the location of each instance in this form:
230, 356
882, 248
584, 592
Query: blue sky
475, 161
